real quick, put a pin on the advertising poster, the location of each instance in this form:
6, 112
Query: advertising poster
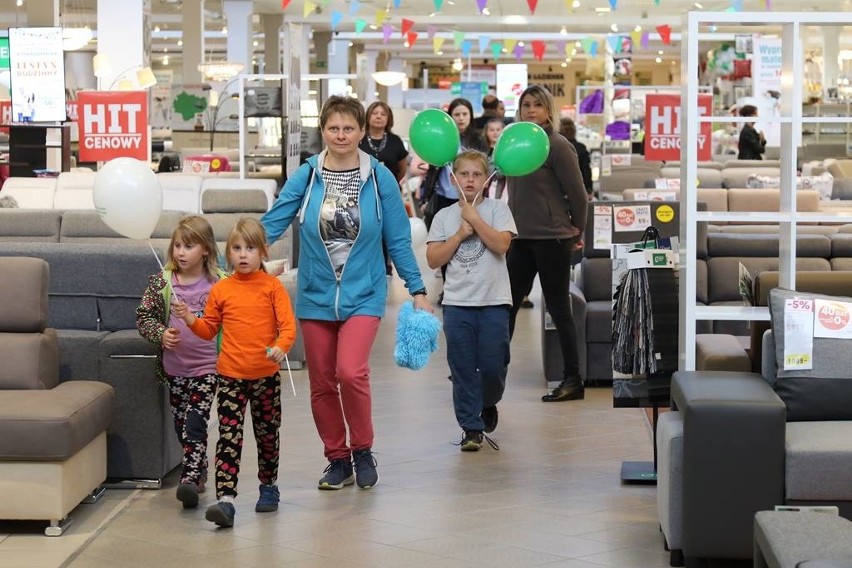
662, 127
37, 66
113, 124
294, 100
472, 91
766, 81
511, 82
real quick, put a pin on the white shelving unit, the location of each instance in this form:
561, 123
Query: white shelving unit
698, 26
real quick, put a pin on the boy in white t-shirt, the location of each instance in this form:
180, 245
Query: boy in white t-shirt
472, 238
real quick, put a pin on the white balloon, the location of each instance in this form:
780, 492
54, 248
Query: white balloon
128, 197
418, 232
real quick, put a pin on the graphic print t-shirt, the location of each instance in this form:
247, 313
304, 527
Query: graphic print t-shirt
195, 357
340, 217
476, 275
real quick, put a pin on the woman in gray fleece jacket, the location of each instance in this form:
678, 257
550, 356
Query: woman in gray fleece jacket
549, 206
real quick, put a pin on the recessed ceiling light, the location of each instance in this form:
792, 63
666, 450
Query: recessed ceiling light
563, 64
520, 44
486, 11
638, 28
614, 27
658, 59
180, 42
699, 5
603, 9
563, 31
515, 20
255, 43
576, 4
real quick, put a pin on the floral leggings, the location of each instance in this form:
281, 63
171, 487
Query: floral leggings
191, 399
264, 399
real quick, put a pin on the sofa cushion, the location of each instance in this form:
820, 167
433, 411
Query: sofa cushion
54, 424
30, 361
818, 456
29, 225
825, 391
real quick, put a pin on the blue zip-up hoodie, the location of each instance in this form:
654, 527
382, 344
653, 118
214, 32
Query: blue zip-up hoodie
362, 287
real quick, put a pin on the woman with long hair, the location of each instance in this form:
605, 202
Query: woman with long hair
549, 206
437, 178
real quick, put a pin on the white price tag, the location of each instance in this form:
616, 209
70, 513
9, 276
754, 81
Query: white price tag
798, 334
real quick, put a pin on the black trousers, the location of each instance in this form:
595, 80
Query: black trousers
551, 260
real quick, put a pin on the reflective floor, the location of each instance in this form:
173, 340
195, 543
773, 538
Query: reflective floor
551, 496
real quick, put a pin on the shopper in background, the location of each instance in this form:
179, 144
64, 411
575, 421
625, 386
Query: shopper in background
752, 143
347, 205
437, 179
490, 104
381, 143
568, 129
387, 148
549, 206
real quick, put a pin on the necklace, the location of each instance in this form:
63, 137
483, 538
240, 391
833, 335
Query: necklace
377, 149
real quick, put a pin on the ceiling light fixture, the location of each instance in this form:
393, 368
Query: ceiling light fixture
220, 70
486, 11
614, 27
388, 78
563, 31
458, 65
576, 4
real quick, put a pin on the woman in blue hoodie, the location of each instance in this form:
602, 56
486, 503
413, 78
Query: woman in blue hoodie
347, 204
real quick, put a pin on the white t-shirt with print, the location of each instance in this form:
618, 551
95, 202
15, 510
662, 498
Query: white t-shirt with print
476, 275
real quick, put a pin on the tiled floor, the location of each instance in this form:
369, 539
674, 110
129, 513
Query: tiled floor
550, 497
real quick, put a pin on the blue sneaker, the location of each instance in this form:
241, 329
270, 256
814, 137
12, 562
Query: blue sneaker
337, 474
269, 497
221, 513
365, 469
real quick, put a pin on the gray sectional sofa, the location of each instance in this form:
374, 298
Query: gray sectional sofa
97, 278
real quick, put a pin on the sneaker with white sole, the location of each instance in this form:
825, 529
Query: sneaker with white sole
365, 469
337, 474
471, 441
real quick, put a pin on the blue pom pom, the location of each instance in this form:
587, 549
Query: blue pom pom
416, 337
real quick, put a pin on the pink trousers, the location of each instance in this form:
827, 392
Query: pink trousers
338, 357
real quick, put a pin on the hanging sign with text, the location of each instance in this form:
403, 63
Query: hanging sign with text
662, 127
113, 124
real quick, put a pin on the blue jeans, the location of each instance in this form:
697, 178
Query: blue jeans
478, 354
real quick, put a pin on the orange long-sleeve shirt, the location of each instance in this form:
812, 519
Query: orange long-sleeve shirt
254, 313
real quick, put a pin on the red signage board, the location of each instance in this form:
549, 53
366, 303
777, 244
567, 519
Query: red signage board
5, 114
662, 127
113, 124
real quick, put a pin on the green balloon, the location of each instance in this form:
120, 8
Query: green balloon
434, 137
521, 149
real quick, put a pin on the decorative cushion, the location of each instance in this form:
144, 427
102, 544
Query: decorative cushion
825, 391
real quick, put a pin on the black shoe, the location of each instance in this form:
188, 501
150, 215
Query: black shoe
573, 390
527, 303
187, 493
471, 441
489, 418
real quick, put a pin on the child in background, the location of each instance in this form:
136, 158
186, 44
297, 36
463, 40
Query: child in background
258, 327
472, 238
185, 362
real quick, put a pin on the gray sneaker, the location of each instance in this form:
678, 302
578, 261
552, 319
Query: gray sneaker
365, 469
337, 474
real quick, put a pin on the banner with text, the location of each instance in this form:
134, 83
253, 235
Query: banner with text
662, 127
113, 124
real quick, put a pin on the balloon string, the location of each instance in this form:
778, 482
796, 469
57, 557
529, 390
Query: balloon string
458, 185
162, 268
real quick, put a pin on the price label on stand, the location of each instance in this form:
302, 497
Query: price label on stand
798, 334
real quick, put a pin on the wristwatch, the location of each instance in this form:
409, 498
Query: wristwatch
420, 292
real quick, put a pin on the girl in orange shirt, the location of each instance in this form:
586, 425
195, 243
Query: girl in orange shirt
258, 328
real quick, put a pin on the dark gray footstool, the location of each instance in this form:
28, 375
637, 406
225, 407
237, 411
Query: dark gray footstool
801, 540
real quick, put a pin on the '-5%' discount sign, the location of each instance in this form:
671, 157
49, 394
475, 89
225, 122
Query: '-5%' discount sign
662, 127
113, 124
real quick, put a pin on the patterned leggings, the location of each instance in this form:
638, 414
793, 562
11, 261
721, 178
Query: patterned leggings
191, 399
264, 399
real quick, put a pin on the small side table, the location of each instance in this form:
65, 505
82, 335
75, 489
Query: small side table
784, 539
